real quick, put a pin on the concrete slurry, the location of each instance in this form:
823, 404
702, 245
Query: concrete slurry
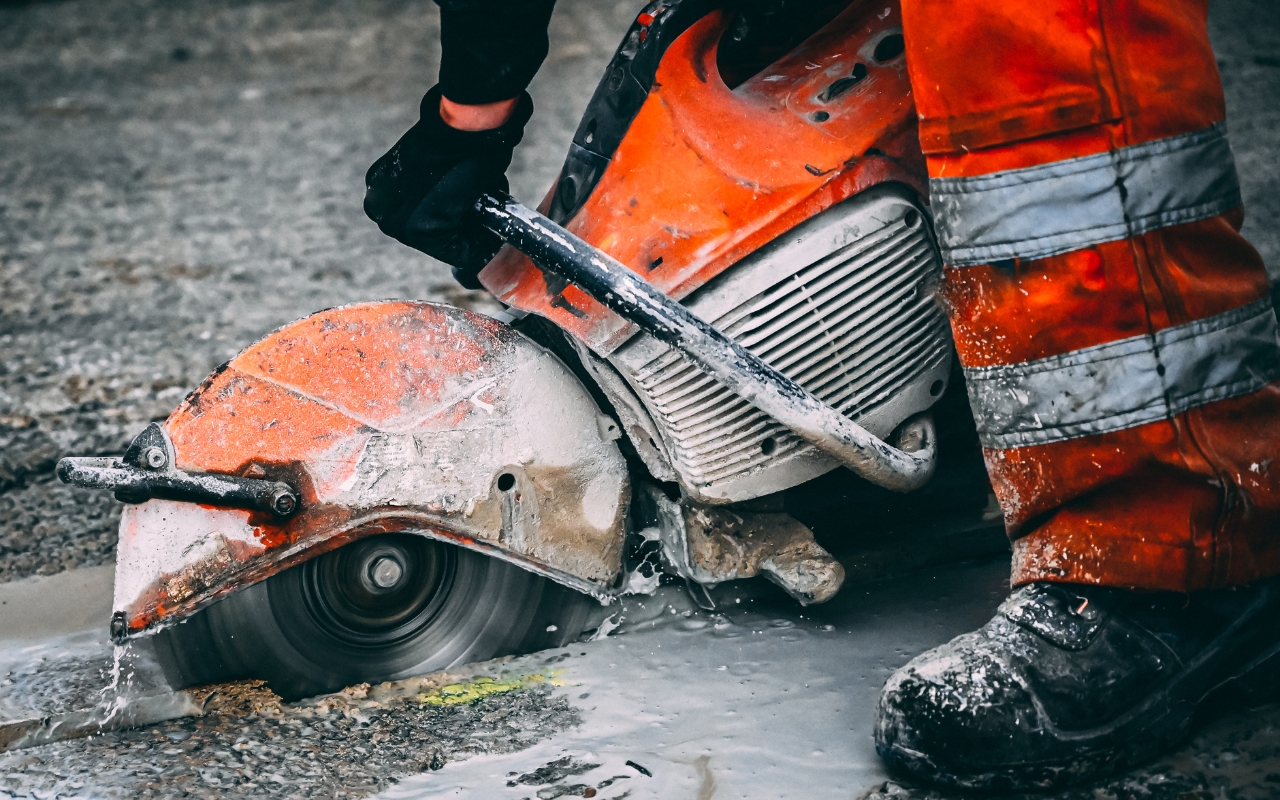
756, 699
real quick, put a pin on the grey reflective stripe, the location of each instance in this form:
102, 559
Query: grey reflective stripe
1055, 208
1128, 382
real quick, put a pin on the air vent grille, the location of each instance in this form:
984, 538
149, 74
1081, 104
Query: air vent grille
854, 328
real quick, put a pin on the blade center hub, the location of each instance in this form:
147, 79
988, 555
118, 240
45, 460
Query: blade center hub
386, 572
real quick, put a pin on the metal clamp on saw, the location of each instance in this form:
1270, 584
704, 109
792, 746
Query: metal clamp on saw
146, 470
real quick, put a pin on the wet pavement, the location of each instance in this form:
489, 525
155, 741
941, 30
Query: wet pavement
332, 752
178, 179
756, 699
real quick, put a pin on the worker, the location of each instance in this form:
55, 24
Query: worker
1119, 347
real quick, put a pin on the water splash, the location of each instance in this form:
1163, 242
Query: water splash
117, 667
609, 625
114, 697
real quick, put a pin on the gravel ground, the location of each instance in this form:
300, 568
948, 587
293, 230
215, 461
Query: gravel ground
292, 752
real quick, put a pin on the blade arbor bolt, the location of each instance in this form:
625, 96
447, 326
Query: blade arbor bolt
154, 457
386, 572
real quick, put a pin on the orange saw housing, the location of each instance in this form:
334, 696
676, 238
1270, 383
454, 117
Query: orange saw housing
707, 174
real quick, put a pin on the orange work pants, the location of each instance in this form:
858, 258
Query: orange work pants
1116, 332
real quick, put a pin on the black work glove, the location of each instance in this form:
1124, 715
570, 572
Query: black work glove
423, 191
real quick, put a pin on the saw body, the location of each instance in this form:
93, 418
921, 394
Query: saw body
387, 417
740, 301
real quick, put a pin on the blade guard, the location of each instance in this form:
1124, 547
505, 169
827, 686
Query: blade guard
384, 417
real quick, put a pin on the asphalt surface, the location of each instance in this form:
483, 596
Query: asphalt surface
757, 699
178, 179
334, 752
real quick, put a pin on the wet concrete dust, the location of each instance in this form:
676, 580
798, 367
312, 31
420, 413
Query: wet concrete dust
54, 686
73, 673
776, 702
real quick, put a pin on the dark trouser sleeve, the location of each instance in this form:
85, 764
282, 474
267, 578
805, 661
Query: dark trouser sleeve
491, 49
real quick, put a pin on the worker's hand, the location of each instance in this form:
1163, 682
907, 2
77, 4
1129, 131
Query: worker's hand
423, 191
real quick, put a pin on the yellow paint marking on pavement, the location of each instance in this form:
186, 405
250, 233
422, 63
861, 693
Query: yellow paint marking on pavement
463, 693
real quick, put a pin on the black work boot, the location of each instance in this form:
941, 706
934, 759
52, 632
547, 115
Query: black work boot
1071, 683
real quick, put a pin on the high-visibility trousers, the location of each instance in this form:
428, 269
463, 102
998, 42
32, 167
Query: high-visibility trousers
1116, 332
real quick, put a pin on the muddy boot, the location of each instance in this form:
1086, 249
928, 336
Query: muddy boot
1071, 683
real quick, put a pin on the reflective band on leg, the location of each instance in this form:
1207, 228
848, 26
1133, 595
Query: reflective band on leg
1067, 205
1128, 382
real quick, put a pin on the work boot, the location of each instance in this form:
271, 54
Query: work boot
1070, 683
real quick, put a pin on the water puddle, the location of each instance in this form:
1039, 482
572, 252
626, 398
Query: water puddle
759, 698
